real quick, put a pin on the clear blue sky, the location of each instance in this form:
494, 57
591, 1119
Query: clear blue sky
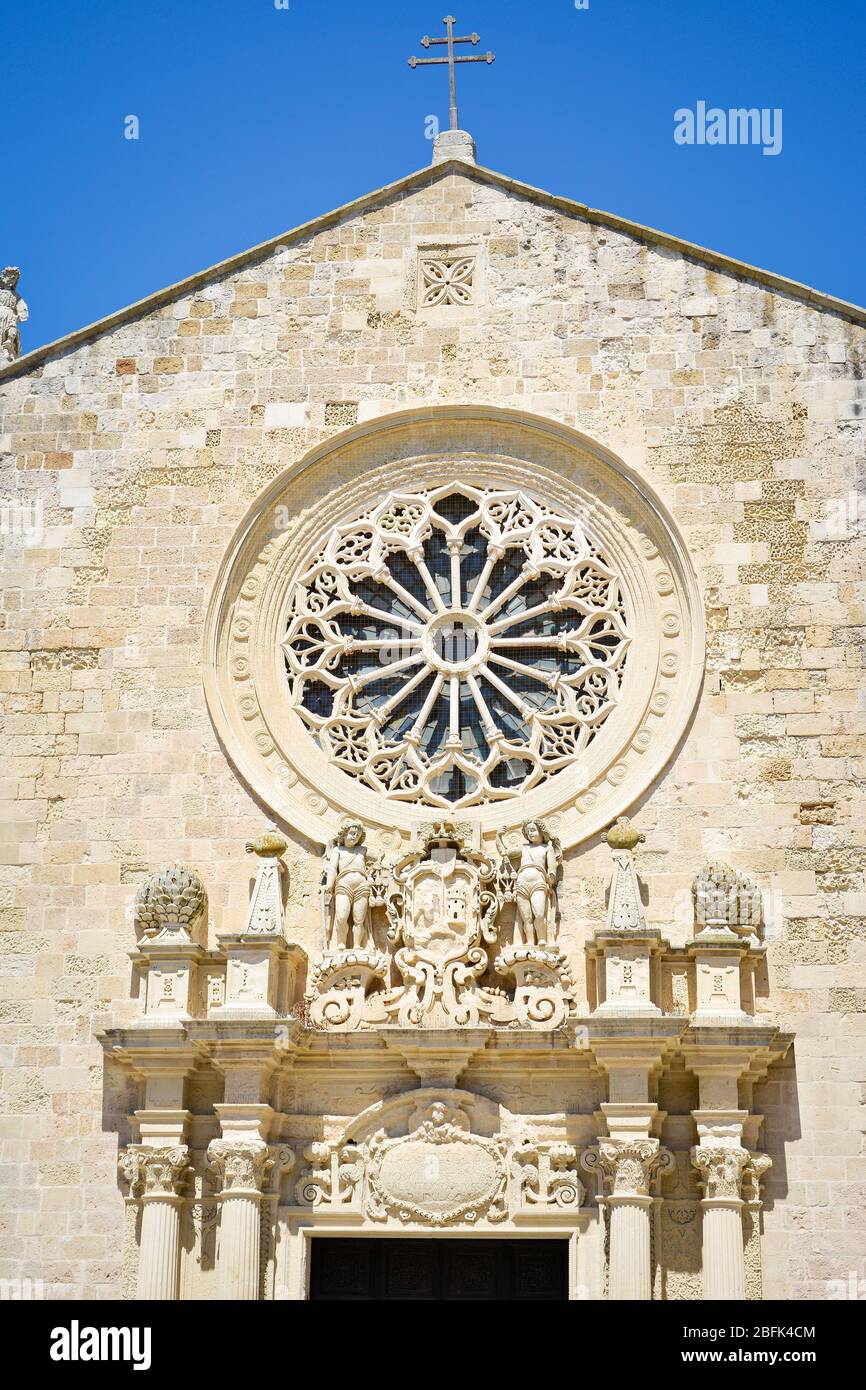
254, 119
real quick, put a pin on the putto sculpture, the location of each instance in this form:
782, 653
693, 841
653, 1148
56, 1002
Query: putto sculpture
13, 311
535, 883
348, 890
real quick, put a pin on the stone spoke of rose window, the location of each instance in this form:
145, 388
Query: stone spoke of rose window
459, 644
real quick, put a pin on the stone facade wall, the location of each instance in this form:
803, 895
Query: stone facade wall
742, 407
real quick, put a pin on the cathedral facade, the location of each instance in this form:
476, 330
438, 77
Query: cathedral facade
432, 756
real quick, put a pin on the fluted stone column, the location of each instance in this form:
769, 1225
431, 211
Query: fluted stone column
721, 1171
158, 1176
630, 1275
628, 1168
242, 1165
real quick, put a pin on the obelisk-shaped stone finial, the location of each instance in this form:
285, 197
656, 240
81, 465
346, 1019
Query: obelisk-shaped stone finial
625, 952
265, 913
624, 909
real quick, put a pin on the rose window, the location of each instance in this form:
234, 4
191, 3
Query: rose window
456, 646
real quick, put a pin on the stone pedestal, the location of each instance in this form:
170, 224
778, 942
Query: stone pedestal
626, 953
453, 144
719, 956
172, 980
727, 947
255, 979
171, 917
260, 967
627, 972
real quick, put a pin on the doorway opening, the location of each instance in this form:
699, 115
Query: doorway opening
498, 1269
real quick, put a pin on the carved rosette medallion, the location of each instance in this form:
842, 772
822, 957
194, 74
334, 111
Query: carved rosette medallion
439, 1174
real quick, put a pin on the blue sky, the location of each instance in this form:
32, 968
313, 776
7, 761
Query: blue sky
255, 118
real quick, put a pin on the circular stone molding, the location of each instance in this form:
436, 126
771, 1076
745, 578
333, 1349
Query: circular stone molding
559, 689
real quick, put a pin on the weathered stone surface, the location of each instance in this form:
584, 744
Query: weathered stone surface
739, 405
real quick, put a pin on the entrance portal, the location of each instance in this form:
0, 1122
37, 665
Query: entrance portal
526, 1270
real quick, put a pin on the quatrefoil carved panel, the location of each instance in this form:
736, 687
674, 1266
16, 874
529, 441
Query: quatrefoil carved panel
447, 279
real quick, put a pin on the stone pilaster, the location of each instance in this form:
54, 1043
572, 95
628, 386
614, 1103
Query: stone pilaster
157, 1176
244, 1162
720, 1155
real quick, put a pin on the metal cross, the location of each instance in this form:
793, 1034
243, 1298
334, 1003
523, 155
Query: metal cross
449, 22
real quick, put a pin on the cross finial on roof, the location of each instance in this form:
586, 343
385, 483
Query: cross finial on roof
450, 39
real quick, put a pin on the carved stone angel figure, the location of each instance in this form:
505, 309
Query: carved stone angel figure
13, 311
347, 890
534, 883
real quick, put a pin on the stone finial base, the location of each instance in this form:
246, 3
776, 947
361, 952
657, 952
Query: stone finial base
453, 144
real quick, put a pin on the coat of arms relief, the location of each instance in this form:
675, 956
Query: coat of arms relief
443, 905
440, 1158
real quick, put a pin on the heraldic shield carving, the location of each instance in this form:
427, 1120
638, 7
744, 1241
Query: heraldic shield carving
442, 903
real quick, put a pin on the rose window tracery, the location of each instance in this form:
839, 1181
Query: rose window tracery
455, 645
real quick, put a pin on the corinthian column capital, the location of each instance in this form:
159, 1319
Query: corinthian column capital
721, 1170
155, 1172
242, 1166
628, 1166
